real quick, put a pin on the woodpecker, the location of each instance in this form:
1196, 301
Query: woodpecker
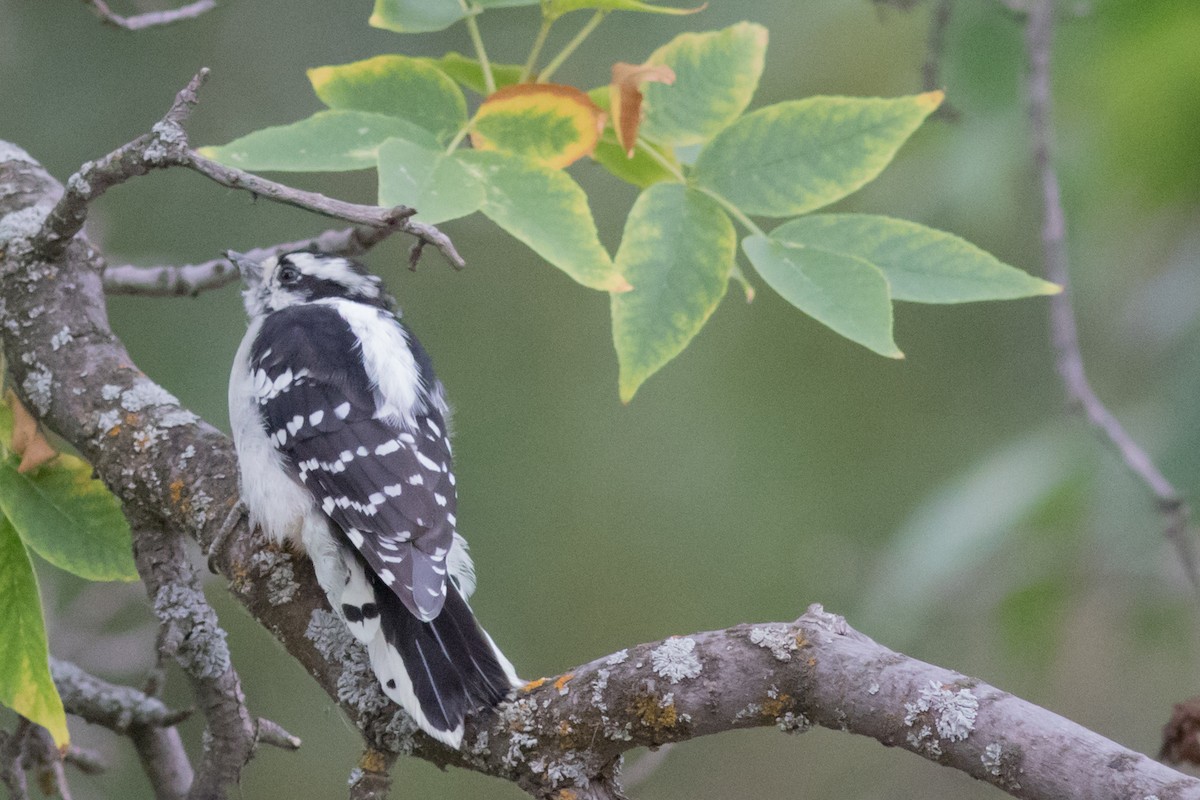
343, 449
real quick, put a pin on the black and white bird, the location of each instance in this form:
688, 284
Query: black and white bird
343, 448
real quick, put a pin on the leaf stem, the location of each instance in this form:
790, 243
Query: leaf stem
538, 43
733, 210
571, 46
489, 80
662, 160
747, 287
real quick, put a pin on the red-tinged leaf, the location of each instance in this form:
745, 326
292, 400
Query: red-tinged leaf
553, 125
625, 98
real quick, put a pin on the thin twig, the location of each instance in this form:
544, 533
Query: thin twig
150, 19
1039, 35
192, 279
12, 752
146, 720
935, 49
47, 763
272, 733
89, 762
166, 146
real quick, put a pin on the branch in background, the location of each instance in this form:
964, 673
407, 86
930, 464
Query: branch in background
12, 754
192, 279
43, 758
559, 736
935, 49
1039, 36
166, 146
192, 636
150, 19
147, 721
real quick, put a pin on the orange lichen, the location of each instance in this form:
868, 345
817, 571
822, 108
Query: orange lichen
533, 685
800, 640
654, 714
777, 706
566, 794
176, 488
373, 761
562, 681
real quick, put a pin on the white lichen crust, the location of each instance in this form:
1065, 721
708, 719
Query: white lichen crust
952, 714
779, 639
675, 659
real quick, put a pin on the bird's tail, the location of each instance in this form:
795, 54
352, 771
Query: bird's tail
440, 670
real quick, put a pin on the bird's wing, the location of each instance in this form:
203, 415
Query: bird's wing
389, 487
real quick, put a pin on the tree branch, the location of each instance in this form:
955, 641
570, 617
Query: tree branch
150, 19
1039, 37
167, 145
557, 736
192, 279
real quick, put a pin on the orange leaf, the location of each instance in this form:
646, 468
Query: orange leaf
554, 125
625, 98
27, 439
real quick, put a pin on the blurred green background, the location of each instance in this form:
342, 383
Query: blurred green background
946, 504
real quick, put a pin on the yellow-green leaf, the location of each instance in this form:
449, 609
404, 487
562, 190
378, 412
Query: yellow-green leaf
433, 182
546, 210
794, 157
399, 86
328, 141
643, 170
64, 515
551, 124
25, 683
845, 293
922, 265
469, 72
677, 250
716, 74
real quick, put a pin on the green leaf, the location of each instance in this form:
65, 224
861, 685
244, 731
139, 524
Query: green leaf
546, 210
422, 16
64, 515
469, 72
25, 683
922, 265
328, 141
553, 9
845, 293
416, 16
677, 250
715, 77
642, 170
793, 157
429, 180
399, 86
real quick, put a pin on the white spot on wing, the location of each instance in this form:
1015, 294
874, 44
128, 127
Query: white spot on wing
342, 411
390, 446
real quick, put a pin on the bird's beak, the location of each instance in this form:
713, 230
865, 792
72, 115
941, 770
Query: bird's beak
251, 270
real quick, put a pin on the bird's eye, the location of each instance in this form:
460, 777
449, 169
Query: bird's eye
288, 274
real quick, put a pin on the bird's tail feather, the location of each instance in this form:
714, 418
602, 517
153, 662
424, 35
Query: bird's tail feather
440, 670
